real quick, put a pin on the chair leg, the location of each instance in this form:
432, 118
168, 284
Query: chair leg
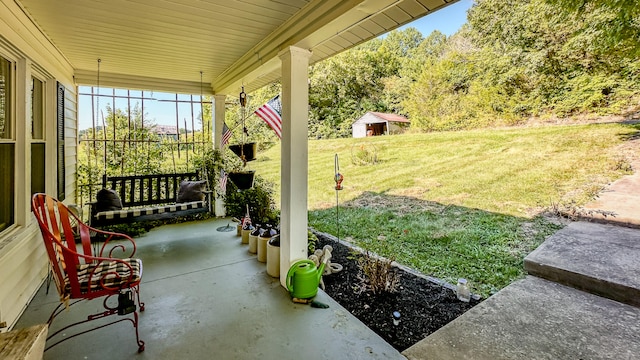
136, 289
108, 312
135, 325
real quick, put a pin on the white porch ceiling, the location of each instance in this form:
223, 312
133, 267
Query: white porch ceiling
165, 44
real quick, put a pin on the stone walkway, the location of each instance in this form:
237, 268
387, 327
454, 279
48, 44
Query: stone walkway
621, 199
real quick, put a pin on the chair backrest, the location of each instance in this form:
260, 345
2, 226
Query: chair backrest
62, 232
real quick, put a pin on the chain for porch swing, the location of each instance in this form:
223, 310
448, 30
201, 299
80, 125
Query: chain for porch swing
137, 139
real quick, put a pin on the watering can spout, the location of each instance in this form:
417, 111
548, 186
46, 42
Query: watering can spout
321, 271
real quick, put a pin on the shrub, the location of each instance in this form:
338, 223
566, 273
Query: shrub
259, 198
364, 155
377, 274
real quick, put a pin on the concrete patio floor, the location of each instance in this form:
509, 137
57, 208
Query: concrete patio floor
208, 298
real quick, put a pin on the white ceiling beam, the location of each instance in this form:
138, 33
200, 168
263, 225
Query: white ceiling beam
308, 20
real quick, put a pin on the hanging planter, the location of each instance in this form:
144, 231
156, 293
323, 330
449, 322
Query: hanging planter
242, 179
248, 150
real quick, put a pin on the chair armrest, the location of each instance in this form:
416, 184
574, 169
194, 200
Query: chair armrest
109, 236
121, 247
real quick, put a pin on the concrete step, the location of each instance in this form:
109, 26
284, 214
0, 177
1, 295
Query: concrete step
598, 258
537, 319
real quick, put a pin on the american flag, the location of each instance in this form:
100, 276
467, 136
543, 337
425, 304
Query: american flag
226, 135
246, 220
271, 113
223, 181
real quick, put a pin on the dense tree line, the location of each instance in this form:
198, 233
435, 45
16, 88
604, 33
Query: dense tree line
513, 59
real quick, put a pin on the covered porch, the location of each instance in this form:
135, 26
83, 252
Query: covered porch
207, 297
48, 49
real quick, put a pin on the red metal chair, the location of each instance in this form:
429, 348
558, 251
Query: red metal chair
84, 271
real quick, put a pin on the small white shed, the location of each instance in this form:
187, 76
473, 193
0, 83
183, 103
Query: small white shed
376, 123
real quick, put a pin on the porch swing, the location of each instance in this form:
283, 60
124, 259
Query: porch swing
246, 151
138, 198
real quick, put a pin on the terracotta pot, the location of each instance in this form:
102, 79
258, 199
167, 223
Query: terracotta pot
245, 236
262, 249
273, 256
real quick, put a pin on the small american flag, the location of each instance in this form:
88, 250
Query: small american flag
271, 113
226, 135
223, 181
246, 220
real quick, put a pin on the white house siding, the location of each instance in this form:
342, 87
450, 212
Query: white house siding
23, 267
23, 264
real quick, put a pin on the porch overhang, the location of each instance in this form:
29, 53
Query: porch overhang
165, 45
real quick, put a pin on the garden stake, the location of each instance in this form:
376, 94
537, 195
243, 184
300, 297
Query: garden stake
338, 179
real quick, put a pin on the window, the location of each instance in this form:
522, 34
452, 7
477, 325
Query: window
37, 137
37, 109
7, 146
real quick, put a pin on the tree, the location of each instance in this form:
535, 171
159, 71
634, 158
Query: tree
124, 145
346, 86
416, 58
617, 28
550, 57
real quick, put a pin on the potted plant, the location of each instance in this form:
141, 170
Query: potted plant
259, 198
248, 150
212, 162
242, 179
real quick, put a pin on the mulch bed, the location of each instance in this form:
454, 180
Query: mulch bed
424, 306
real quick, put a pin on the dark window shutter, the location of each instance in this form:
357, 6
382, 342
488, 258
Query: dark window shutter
60, 142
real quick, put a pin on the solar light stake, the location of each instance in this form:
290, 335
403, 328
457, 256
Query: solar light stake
338, 178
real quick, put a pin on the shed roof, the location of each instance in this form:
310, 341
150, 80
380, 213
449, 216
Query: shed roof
375, 117
391, 117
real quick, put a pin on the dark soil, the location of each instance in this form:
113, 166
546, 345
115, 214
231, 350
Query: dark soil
424, 306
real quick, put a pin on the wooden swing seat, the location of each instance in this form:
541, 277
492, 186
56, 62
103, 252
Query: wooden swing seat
148, 197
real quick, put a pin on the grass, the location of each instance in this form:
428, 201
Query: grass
457, 204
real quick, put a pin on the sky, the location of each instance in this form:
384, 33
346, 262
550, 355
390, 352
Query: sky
447, 21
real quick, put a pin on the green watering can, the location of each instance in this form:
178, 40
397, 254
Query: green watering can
303, 279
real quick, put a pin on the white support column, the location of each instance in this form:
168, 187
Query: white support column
294, 163
218, 121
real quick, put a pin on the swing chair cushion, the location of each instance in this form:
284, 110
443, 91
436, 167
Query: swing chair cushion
108, 200
107, 274
191, 191
147, 211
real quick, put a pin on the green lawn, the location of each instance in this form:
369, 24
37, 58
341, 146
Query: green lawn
457, 204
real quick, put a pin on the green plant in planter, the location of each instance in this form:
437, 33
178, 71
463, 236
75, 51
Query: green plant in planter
259, 198
212, 162
312, 240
